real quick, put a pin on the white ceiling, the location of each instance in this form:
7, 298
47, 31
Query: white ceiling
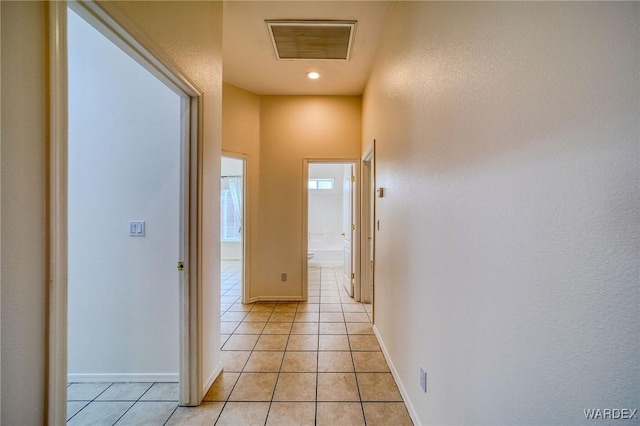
250, 63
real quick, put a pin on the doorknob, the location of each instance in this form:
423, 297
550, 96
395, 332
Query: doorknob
343, 234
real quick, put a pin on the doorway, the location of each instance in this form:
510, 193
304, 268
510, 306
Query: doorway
232, 230
331, 223
367, 237
124, 230
123, 211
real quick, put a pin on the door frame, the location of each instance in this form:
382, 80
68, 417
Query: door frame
355, 240
246, 224
106, 19
368, 213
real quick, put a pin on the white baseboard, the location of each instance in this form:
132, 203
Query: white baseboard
124, 377
276, 299
396, 376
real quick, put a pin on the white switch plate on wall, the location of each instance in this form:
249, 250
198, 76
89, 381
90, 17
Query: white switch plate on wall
136, 228
423, 380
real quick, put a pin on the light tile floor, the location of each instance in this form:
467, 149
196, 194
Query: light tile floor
313, 363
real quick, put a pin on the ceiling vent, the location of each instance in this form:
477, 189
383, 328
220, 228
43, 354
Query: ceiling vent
312, 40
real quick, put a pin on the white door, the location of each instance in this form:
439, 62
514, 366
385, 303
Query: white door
348, 227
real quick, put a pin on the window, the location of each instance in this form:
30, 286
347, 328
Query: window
321, 183
231, 208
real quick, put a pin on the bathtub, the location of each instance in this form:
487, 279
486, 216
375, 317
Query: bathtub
330, 258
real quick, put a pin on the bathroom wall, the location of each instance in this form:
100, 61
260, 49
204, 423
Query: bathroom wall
325, 208
325, 213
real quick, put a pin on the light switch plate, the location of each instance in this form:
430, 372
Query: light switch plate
423, 380
136, 228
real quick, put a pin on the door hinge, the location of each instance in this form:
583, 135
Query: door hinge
353, 276
180, 266
353, 227
353, 178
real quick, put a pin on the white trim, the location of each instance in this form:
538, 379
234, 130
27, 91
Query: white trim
394, 372
365, 222
190, 303
57, 291
367, 194
124, 377
276, 299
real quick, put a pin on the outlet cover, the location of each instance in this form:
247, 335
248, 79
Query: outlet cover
423, 380
283, 277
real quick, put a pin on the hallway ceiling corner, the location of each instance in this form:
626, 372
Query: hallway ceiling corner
249, 61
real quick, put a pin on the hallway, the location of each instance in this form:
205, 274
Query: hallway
314, 363
302, 363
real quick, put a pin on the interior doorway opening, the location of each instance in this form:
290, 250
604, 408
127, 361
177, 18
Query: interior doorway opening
331, 223
367, 236
183, 375
125, 224
232, 230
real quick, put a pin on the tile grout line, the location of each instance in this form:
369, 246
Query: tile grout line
284, 351
90, 401
315, 419
241, 371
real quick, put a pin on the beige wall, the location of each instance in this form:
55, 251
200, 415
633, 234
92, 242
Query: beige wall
241, 135
291, 128
507, 256
241, 122
24, 211
276, 133
190, 33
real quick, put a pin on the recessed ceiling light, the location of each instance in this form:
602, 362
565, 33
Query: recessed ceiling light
313, 75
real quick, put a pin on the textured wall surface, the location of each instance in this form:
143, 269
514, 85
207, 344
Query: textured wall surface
276, 133
507, 257
293, 128
241, 135
23, 227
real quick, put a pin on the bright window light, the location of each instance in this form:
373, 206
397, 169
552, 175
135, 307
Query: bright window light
321, 183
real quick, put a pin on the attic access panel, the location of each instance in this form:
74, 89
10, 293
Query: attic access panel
312, 40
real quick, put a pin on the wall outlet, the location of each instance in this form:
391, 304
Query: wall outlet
423, 380
283, 277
